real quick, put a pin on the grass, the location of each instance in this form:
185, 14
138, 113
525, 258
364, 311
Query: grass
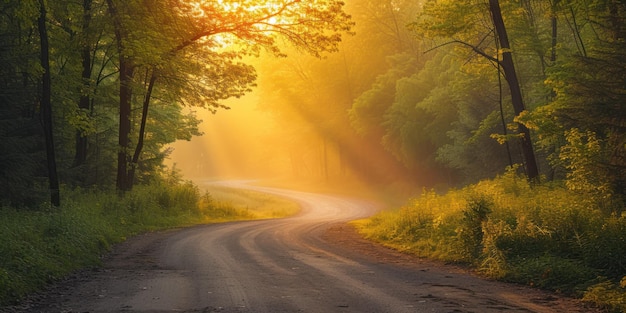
545, 236
253, 204
40, 246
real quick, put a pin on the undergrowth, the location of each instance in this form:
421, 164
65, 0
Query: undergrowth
260, 205
545, 236
41, 245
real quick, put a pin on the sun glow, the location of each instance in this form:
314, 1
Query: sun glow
229, 6
202, 8
231, 23
263, 13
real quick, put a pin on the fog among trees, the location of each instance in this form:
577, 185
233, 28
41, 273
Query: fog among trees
420, 95
434, 94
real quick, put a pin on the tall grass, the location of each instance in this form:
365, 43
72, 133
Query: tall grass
256, 204
544, 236
39, 246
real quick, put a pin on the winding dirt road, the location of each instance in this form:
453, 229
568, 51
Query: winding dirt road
311, 262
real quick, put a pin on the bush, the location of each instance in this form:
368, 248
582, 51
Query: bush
41, 246
606, 248
545, 235
470, 233
608, 295
569, 276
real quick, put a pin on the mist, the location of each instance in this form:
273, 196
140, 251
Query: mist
233, 144
379, 111
303, 122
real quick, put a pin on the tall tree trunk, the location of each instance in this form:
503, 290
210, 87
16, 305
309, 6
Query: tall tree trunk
142, 129
126, 92
80, 155
532, 170
504, 128
127, 70
554, 25
46, 108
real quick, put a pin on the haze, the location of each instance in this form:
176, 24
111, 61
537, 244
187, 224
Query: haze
296, 123
231, 144
381, 110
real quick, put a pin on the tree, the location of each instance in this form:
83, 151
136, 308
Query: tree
508, 67
84, 102
586, 116
324, 106
126, 72
465, 24
314, 26
46, 108
21, 157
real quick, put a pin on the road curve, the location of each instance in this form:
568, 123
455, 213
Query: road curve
283, 265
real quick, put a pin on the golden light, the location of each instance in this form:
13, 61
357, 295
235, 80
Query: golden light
230, 18
228, 7
243, 142
263, 13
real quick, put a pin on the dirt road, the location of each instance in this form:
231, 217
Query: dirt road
312, 262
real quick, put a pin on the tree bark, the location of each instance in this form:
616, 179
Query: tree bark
80, 155
142, 129
127, 70
126, 92
46, 108
508, 66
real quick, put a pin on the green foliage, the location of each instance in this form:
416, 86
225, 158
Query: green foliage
570, 276
21, 142
547, 236
441, 19
608, 295
584, 116
605, 247
38, 248
368, 110
582, 158
470, 233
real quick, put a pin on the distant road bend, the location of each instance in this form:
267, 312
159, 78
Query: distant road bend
284, 265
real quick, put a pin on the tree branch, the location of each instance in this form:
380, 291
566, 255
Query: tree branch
474, 48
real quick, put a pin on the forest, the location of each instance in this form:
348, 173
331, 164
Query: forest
502, 121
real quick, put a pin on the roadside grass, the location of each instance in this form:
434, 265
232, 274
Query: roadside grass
42, 245
250, 204
544, 236
384, 195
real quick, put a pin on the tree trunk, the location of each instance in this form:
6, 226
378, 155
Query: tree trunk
532, 170
46, 108
127, 70
80, 155
126, 92
142, 129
